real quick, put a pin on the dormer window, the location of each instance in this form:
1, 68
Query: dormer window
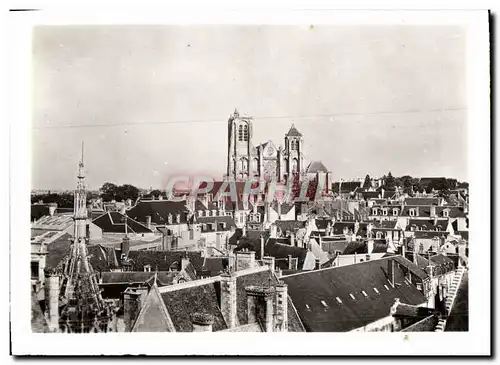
395, 212
446, 213
169, 218
147, 268
412, 212
178, 218
374, 211
384, 211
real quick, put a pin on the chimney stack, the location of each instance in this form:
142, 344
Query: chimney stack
290, 262
390, 271
281, 324
260, 306
279, 209
125, 246
292, 239
52, 299
245, 260
228, 298
262, 247
148, 221
202, 322
269, 261
131, 306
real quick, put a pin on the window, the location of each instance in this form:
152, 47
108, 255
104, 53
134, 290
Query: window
352, 296
178, 218
243, 132
294, 145
446, 213
364, 293
394, 212
338, 300
412, 212
374, 211
384, 211
34, 270
379, 235
295, 165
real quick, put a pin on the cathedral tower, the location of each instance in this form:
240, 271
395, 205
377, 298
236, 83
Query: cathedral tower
293, 155
242, 161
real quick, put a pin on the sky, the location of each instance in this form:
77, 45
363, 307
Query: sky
152, 102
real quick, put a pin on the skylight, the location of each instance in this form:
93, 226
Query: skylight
376, 291
339, 300
385, 286
324, 304
352, 296
364, 293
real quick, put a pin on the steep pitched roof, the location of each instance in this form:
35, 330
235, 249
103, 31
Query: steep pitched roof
315, 167
314, 295
163, 260
57, 250
114, 222
293, 132
290, 225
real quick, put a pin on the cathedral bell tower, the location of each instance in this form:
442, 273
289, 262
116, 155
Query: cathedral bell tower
293, 155
240, 158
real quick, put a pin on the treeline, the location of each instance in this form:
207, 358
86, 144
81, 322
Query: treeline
411, 184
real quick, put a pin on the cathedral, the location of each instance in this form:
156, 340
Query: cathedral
266, 161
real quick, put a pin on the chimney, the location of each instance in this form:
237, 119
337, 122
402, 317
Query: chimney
395, 306
125, 246
269, 261
279, 209
202, 322
292, 239
228, 298
403, 250
390, 271
290, 259
262, 247
260, 306
52, 209
281, 324
273, 230
369, 244
148, 221
433, 212
245, 260
52, 299
430, 271
131, 307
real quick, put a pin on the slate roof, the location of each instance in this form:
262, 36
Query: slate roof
137, 277
274, 248
285, 207
290, 225
54, 223
102, 258
196, 299
464, 234
422, 262
114, 222
163, 260
332, 246
430, 234
57, 250
347, 186
427, 225
310, 290
425, 211
216, 224
411, 311
315, 167
412, 267
159, 211
322, 223
422, 201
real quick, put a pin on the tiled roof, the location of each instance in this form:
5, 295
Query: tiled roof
195, 299
314, 295
315, 167
114, 222
54, 223
159, 211
293, 132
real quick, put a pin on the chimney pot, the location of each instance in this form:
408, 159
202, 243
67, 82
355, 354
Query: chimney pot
202, 322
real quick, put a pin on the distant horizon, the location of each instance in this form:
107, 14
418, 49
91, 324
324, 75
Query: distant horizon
152, 102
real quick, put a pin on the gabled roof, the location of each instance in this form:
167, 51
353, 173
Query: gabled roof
315, 167
114, 222
293, 132
159, 211
54, 223
314, 295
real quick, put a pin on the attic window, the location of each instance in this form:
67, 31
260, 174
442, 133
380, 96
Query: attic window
338, 300
386, 287
352, 296
364, 293
324, 304
394, 212
376, 291
446, 213
412, 212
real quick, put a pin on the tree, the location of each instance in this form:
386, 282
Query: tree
111, 191
390, 183
368, 182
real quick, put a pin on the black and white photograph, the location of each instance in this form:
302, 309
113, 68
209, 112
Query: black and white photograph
256, 177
